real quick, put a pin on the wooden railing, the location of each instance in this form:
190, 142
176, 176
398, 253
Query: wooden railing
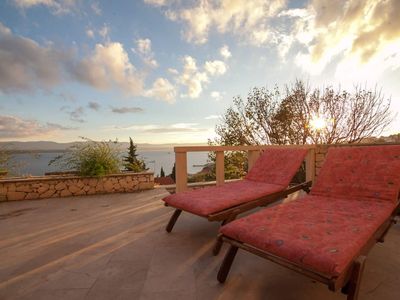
253, 154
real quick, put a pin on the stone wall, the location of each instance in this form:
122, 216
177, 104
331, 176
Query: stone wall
63, 186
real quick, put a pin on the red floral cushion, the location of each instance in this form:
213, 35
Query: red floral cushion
206, 201
271, 173
277, 165
320, 233
360, 172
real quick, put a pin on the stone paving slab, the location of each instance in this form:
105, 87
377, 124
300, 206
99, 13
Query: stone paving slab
115, 247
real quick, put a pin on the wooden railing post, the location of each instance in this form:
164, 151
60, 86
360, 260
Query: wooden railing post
181, 171
310, 165
252, 156
219, 167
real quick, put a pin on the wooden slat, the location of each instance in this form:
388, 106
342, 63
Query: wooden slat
219, 167
181, 171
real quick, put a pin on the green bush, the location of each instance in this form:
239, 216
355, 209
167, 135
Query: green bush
91, 158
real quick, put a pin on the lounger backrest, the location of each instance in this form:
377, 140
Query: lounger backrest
360, 172
277, 165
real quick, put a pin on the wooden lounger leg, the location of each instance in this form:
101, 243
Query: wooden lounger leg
382, 237
218, 243
173, 219
227, 263
353, 286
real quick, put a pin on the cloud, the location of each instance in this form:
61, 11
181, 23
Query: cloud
224, 51
355, 32
143, 46
15, 127
90, 33
109, 66
24, 64
143, 49
167, 129
163, 90
173, 71
104, 31
67, 97
4, 30
95, 6
192, 78
215, 67
56, 6
94, 105
212, 117
124, 110
156, 2
77, 114
217, 96
249, 20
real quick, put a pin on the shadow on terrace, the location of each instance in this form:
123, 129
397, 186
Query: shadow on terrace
115, 247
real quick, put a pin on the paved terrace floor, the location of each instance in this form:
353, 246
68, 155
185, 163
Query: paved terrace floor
115, 247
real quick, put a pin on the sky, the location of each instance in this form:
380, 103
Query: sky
164, 71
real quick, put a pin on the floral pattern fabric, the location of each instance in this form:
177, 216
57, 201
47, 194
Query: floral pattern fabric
271, 173
321, 233
360, 172
277, 165
206, 201
356, 191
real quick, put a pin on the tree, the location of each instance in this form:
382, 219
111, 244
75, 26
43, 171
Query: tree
132, 162
275, 117
172, 175
162, 173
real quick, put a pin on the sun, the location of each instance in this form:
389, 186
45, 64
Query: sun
318, 123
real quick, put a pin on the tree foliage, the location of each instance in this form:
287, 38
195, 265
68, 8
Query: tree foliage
172, 175
162, 173
131, 161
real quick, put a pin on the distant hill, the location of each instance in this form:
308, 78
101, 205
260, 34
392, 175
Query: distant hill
54, 146
394, 138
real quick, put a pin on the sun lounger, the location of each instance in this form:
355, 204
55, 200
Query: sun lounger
327, 234
265, 183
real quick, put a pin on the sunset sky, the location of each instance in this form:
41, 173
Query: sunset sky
164, 71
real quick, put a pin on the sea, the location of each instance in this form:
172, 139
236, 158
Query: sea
37, 163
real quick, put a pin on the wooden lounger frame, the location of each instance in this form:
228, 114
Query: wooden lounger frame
348, 281
229, 214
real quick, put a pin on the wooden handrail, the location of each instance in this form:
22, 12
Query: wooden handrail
184, 149
253, 154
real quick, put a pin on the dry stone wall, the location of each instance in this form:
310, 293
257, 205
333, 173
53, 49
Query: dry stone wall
63, 186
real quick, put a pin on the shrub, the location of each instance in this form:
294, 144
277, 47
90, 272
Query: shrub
91, 158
